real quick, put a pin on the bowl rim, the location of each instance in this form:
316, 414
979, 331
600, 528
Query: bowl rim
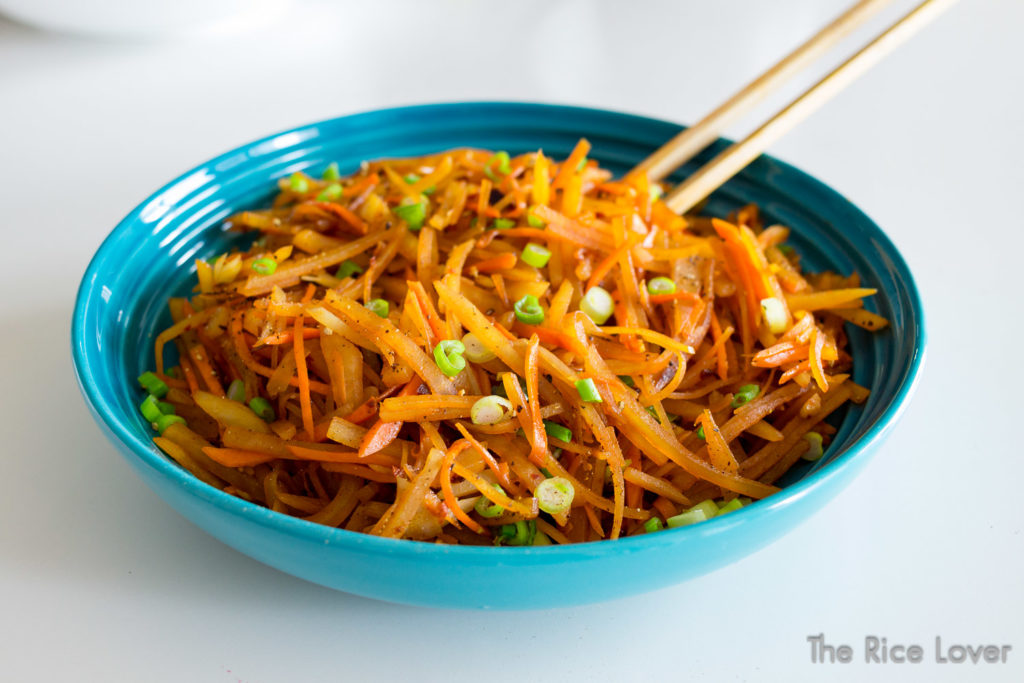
309, 531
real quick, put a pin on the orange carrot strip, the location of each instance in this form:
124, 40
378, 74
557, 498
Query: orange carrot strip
817, 371
430, 313
504, 261
718, 449
286, 337
716, 334
803, 366
674, 296
609, 261
382, 433
568, 167
539, 447
446, 485
232, 457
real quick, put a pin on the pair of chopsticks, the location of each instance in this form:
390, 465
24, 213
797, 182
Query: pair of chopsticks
729, 162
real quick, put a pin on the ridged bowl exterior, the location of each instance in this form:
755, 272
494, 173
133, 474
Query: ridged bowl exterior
149, 256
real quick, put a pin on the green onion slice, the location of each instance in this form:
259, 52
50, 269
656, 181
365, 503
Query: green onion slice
535, 255
236, 391
698, 513
554, 496
298, 183
490, 410
528, 310
262, 407
264, 266
153, 384
588, 391
448, 356
348, 269
485, 508
745, 394
661, 285
412, 212
598, 305
557, 431
379, 306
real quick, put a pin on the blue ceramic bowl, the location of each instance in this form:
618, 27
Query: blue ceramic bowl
149, 256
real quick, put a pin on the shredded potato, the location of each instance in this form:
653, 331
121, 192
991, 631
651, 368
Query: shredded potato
391, 357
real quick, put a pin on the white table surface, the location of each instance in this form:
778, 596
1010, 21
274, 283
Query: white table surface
101, 581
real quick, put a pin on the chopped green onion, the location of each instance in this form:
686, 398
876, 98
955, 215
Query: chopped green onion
655, 192
379, 306
535, 255
588, 391
331, 193
542, 539
774, 312
476, 352
557, 431
265, 265
661, 285
745, 394
332, 172
504, 165
653, 524
166, 408
149, 408
485, 508
528, 310
534, 221
448, 356
490, 410
153, 384
581, 165
815, 451
298, 183
700, 433
520, 533
165, 421
348, 269
787, 250
262, 407
698, 513
554, 496
598, 305
236, 391
734, 504
413, 213
628, 381
503, 223
545, 471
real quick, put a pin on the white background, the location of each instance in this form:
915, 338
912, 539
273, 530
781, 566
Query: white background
99, 580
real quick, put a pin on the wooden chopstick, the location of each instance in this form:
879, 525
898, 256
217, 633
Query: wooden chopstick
734, 158
687, 144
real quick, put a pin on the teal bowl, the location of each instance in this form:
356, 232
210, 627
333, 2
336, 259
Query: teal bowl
149, 255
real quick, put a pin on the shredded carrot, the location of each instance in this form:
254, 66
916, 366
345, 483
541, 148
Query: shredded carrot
375, 430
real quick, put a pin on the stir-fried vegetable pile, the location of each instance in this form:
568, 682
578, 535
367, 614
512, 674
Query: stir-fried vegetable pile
477, 348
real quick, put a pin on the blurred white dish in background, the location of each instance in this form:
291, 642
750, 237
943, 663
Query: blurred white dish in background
138, 18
